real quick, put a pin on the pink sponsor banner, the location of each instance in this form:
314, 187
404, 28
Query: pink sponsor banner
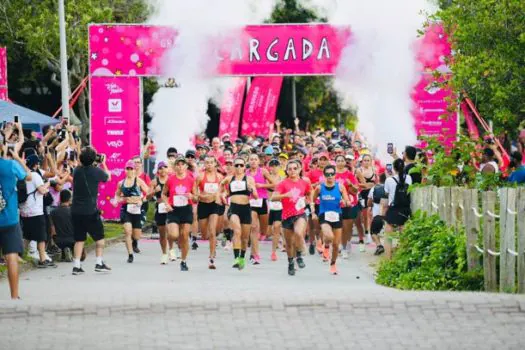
3, 74
3, 94
115, 130
268, 111
254, 104
284, 49
431, 113
469, 120
231, 108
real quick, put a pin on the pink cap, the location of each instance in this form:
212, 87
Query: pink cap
130, 164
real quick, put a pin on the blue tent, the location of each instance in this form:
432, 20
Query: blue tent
30, 119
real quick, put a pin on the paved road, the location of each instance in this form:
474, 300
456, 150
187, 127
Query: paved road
145, 305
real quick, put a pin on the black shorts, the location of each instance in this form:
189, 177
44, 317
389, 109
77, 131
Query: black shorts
334, 225
289, 223
205, 210
160, 219
275, 216
221, 209
397, 216
181, 215
351, 213
378, 222
317, 207
261, 210
134, 219
34, 228
84, 224
243, 211
11, 239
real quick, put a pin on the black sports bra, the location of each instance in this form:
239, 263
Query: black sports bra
244, 192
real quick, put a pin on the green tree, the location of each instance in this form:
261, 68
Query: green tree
32, 27
488, 37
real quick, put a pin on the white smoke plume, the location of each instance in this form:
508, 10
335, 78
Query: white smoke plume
180, 113
378, 69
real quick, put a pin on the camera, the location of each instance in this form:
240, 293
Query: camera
17, 118
62, 134
100, 158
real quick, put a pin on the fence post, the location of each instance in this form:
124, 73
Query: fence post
434, 201
447, 206
470, 200
489, 242
427, 200
456, 203
441, 202
507, 224
521, 240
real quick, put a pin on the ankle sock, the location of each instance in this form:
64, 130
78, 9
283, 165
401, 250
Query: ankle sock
236, 253
243, 253
99, 260
76, 263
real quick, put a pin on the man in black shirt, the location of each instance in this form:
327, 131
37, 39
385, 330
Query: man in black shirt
84, 211
62, 226
410, 162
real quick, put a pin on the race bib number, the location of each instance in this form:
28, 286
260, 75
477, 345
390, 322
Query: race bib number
211, 188
256, 203
238, 186
362, 202
301, 203
163, 209
180, 201
331, 216
133, 209
276, 206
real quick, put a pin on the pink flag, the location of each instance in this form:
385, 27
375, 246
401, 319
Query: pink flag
3, 74
260, 105
231, 108
471, 125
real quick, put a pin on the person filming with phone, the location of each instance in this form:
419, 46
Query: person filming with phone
85, 214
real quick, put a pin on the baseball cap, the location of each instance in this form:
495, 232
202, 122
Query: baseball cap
180, 158
283, 155
324, 154
32, 160
268, 150
130, 164
190, 153
349, 157
226, 136
162, 164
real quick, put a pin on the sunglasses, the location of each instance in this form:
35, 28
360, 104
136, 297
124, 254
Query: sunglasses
239, 165
130, 168
172, 156
329, 174
163, 167
190, 157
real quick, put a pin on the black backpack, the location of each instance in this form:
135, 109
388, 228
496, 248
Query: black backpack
21, 190
402, 197
379, 193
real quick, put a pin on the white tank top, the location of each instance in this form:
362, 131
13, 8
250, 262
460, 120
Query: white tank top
494, 165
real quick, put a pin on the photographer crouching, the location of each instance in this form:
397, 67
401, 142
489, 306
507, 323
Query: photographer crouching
84, 211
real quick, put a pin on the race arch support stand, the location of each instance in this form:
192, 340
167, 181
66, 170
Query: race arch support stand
119, 55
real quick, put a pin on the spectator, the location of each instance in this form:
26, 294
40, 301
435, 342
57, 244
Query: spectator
518, 169
409, 156
376, 199
488, 164
62, 226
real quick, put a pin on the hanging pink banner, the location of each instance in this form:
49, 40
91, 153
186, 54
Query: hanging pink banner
431, 113
231, 108
116, 113
283, 49
268, 111
254, 104
469, 120
3, 74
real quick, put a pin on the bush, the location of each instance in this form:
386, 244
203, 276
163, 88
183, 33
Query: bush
430, 256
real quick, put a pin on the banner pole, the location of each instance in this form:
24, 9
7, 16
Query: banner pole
294, 100
64, 81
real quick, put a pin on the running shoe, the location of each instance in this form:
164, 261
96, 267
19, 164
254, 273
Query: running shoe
319, 247
345, 254
130, 258
173, 255
379, 250
135, 245
228, 246
164, 259
326, 254
77, 271
362, 247
183, 266
311, 249
46, 263
102, 267
68, 255
333, 269
291, 269
283, 249
236, 263
300, 262
194, 245
211, 265
274, 256
257, 259
242, 263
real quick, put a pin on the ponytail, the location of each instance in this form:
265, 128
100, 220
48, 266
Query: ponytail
399, 167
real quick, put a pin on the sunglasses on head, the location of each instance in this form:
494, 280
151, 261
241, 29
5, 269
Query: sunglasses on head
329, 174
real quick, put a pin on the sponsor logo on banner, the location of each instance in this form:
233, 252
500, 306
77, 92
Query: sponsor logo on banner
117, 172
115, 132
115, 144
114, 88
115, 105
115, 157
114, 120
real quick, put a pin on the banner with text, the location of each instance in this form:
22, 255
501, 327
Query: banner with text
254, 105
283, 49
116, 113
3, 74
432, 116
269, 109
231, 108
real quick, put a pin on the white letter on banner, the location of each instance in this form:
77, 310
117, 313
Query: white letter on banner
272, 57
308, 48
290, 48
254, 45
324, 47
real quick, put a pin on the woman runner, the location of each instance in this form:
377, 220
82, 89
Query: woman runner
259, 206
276, 208
239, 187
129, 192
208, 189
366, 175
178, 195
292, 192
331, 195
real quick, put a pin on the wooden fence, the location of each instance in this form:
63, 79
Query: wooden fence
480, 213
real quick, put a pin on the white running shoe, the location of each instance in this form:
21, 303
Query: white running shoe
228, 246
362, 247
33, 254
345, 254
164, 259
173, 255
368, 238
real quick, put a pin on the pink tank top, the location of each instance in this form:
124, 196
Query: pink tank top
259, 179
